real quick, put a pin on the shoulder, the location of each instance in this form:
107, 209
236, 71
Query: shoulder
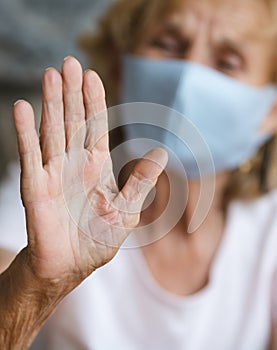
259, 211
12, 218
253, 226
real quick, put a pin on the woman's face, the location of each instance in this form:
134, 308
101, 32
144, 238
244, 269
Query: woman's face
224, 35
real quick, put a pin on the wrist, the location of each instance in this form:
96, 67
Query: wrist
35, 282
26, 301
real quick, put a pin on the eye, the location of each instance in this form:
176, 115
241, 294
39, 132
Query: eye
165, 44
170, 46
229, 63
225, 65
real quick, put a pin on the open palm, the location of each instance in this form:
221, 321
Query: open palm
76, 217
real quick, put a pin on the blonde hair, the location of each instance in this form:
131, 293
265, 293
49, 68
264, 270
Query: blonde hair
121, 29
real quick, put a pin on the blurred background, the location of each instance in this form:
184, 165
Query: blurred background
36, 34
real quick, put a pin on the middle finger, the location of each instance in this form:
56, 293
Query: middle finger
74, 112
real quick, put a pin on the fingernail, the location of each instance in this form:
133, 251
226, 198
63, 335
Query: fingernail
48, 69
67, 57
16, 102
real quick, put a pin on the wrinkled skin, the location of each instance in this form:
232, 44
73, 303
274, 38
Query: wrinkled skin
76, 217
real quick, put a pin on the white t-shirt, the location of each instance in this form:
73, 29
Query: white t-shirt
12, 219
122, 307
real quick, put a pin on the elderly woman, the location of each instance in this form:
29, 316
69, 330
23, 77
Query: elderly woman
214, 63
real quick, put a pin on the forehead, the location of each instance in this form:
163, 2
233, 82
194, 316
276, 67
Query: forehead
234, 18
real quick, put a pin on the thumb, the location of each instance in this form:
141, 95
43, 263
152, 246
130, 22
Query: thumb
142, 179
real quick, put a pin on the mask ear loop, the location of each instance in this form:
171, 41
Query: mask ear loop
264, 166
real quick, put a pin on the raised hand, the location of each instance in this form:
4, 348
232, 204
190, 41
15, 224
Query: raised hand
76, 217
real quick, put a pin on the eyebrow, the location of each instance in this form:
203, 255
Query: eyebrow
171, 27
229, 47
222, 44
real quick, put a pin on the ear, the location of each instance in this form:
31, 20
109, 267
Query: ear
270, 122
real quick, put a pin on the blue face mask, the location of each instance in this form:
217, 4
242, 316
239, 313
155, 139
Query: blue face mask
226, 112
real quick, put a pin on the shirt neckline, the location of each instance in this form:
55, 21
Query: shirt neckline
175, 300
